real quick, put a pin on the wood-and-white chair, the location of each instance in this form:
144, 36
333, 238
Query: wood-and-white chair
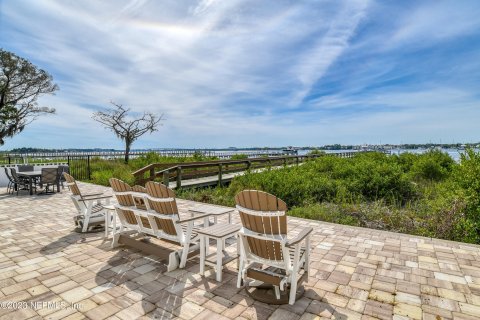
153, 212
267, 256
89, 206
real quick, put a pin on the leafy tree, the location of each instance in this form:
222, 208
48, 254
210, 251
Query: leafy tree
126, 128
21, 83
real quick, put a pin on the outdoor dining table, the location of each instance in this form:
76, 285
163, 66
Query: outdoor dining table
32, 175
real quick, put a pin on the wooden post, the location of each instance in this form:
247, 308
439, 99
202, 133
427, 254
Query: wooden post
249, 165
219, 174
179, 177
152, 174
298, 160
166, 177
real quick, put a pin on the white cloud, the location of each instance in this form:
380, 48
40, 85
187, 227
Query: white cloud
236, 72
435, 21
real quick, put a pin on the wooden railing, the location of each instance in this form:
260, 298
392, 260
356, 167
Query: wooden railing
167, 172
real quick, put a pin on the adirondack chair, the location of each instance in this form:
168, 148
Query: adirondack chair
266, 254
152, 211
89, 206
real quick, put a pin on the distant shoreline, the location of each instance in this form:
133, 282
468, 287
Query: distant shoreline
334, 147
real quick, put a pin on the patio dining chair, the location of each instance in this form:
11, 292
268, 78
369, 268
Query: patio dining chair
267, 255
49, 178
11, 186
61, 169
90, 207
20, 184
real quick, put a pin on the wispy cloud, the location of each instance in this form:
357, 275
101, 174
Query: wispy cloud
250, 73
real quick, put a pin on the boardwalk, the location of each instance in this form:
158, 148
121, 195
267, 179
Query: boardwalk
356, 274
213, 180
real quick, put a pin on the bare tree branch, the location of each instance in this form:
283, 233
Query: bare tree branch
128, 130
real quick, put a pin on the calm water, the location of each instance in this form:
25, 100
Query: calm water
454, 153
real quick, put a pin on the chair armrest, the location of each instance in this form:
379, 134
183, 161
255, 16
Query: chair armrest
302, 235
92, 194
194, 218
95, 198
221, 214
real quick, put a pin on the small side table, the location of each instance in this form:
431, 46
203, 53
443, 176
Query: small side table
213, 210
220, 232
110, 216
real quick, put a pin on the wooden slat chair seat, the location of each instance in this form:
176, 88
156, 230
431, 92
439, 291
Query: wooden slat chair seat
166, 220
153, 211
264, 242
89, 206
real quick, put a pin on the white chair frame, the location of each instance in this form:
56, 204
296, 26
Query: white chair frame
84, 203
291, 266
183, 237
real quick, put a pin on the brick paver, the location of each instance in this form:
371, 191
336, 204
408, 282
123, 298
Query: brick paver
49, 271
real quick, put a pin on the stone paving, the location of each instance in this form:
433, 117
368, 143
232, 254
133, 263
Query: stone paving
49, 271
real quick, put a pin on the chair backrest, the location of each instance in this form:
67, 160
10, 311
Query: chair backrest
161, 199
9, 176
72, 185
139, 200
24, 168
126, 198
61, 169
49, 175
14, 176
264, 217
122, 192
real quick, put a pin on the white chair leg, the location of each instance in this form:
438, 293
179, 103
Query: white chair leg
116, 236
183, 260
293, 288
86, 220
107, 222
172, 261
202, 255
241, 262
240, 271
306, 266
277, 292
219, 259
114, 222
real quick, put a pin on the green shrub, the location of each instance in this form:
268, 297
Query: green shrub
433, 165
316, 152
467, 179
239, 156
422, 194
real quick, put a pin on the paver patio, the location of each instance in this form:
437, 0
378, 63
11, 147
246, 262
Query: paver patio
356, 273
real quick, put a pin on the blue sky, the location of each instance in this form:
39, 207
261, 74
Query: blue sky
253, 73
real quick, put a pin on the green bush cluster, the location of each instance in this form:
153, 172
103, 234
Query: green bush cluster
103, 169
424, 194
367, 177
